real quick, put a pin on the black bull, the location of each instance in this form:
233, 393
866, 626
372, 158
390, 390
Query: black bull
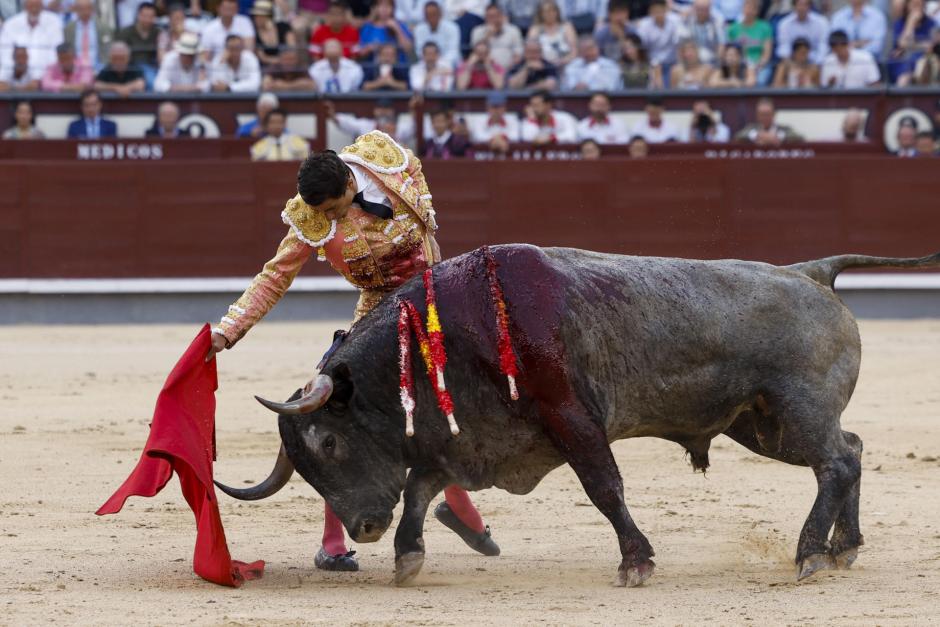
609, 347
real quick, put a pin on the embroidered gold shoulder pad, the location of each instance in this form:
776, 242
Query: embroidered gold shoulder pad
309, 225
378, 152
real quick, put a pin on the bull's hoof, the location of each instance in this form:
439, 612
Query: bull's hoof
634, 576
407, 567
846, 558
479, 541
344, 562
813, 563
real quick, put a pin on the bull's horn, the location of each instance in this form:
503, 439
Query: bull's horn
320, 390
283, 469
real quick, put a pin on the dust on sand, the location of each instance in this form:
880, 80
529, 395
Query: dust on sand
75, 406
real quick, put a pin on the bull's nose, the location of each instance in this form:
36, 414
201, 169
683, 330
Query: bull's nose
371, 530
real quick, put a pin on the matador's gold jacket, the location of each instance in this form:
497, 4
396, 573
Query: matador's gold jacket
374, 254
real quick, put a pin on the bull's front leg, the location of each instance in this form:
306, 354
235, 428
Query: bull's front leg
420, 489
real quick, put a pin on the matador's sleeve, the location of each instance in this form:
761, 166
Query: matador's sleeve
265, 290
425, 208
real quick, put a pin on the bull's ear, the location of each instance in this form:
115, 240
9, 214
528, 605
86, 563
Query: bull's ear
342, 384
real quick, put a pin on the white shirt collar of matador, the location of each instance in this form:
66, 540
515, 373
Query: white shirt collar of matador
365, 184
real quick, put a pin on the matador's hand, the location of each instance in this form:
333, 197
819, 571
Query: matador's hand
219, 343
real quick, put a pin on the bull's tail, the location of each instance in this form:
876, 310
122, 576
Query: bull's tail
825, 271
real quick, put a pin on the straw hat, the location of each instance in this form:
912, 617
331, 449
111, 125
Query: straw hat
188, 43
262, 7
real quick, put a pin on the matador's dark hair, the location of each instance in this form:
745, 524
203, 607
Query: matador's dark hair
322, 175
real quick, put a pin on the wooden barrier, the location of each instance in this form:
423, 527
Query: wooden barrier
93, 219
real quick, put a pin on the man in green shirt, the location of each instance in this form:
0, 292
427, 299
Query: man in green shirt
755, 36
141, 37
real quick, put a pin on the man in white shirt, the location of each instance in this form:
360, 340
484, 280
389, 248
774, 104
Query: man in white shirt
498, 129
590, 70
545, 126
431, 73
235, 69
411, 12
334, 73
384, 118
598, 125
803, 22
229, 22
444, 33
660, 32
182, 71
505, 39
864, 24
846, 67
653, 128
39, 31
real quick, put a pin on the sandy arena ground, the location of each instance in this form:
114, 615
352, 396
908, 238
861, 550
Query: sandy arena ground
75, 406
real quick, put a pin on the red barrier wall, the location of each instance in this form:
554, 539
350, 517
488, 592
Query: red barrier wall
165, 219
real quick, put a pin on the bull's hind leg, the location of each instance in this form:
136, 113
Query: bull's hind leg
847, 534
583, 444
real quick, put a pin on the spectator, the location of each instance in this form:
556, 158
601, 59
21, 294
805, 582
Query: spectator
182, 71
707, 29
127, 11
468, 14
654, 128
659, 32
533, 72
638, 148
214, 37
504, 39
175, 28
556, 37
591, 71
543, 125
141, 40
807, 24
270, 36
797, 72
598, 125
865, 25
444, 143
24, 123
384, 74
755, 38
521, 12
480, 71
765, 131
733, 72
912, 38
91, 125
497, 130
266, 102
119, 75
853, 126
310, 12
705, 127
67, 75
334, 73
88, 34
927, 68
846, 67
444, 33
924, 145
166, 122
288, 74
589, 150
585, 16
689, 72
907, 138
635, 69
613, 33
410, 13
278, 144
235, 69
384, 118
19, 75
40, 32
336, 26
431, 73
383, 28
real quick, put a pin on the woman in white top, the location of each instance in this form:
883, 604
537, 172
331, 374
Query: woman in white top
689, 72
556, 37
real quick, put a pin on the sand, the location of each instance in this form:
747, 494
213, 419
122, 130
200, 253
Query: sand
74, 408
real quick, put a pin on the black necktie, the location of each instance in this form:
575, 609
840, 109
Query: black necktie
375, 208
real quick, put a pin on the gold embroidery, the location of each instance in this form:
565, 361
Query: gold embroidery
315, 228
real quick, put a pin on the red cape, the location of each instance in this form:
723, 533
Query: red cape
182, 440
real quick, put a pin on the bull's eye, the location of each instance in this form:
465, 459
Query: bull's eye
329, 442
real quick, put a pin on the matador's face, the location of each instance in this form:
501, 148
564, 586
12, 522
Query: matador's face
337, 208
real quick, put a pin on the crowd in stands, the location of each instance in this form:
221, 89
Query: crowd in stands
587, 46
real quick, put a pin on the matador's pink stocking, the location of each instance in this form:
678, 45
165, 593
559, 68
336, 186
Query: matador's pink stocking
460, 503
334, 538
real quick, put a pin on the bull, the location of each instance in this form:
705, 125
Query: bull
608, 347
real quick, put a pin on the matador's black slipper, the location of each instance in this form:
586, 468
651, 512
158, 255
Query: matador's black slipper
342, 562
479, 541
